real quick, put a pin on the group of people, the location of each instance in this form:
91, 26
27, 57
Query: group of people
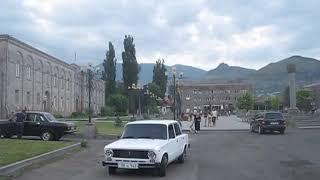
210, 118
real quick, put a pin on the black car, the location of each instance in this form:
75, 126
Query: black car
268, 121
41, 124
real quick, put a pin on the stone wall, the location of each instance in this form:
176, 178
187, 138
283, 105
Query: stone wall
40, 82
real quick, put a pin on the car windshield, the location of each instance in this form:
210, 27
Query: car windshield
274, 116
148, 131
50, 117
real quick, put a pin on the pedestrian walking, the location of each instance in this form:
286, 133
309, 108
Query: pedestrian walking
197, 121
21, 117
214, 117
209, 119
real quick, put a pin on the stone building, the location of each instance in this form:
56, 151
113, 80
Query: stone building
32, 79
198, 95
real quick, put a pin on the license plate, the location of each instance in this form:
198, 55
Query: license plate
128, 165
274, 123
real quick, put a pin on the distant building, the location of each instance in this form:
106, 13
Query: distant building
32, 79
198, 95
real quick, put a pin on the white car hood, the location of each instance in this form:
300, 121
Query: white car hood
137, 144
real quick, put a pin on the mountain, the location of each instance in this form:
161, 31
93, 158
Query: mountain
226, 72
274, 76
146, 72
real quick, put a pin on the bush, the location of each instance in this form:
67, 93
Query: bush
58, 115
146, 116
78, 115
108, 111
132, 119
118, 122
84, 143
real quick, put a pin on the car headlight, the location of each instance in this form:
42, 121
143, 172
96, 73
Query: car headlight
109, 153
152, 155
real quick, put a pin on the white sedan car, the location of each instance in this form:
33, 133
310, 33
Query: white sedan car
147, 144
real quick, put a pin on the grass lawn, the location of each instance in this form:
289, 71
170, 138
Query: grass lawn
13, 150
103, 127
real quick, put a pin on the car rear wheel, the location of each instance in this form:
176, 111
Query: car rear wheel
260, 130
112, 170
46, 136
183, 156
163, 166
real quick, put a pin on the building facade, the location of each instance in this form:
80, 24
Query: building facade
197, 96
33, 80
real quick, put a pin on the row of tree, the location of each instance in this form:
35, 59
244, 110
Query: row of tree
118, 96
305, 101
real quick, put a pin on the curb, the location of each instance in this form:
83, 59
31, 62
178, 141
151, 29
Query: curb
309, 127
17, 168
207, 130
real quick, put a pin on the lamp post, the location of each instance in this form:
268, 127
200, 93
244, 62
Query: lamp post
174, 91
90, 86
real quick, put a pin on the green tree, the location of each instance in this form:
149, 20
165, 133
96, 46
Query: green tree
130, 65
267, 103
159, 76
275, 102
304, 100
245, 101
109, 74
120, 103
154, 88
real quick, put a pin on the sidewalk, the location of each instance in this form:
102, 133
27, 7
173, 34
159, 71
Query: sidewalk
223, 123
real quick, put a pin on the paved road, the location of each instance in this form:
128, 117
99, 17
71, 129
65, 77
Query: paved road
214, 155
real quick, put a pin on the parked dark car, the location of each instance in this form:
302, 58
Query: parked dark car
41, 124
268, 121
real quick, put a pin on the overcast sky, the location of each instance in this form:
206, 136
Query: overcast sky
199, 33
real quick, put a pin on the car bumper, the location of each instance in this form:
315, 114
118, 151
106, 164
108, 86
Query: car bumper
70, 131
273, 127
140, 165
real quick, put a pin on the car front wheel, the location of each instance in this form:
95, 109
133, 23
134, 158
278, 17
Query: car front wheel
282, 131
163, 166
112, 170
46, 136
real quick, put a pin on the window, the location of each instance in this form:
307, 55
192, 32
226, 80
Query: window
48, 79
55, 80
28, 72
31, 117
171, 132
177, 129
62, 83
17, 70
38, 98
16, 96
54, 102
61, 103
28, 98
40, 118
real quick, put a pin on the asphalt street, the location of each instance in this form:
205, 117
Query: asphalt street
213, 155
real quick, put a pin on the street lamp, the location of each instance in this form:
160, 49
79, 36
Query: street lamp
90, 75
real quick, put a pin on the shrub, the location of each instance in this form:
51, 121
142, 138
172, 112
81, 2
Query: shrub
118, 122
120, 103
78, 115
107, 111
58, 115
146, 116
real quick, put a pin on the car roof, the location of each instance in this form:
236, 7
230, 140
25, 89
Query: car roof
164, 122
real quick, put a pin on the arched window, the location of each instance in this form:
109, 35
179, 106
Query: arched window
28, 70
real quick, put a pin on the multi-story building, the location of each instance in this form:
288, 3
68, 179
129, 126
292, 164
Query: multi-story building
33, 80
198, 95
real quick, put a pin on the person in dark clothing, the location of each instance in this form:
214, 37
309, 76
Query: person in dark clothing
20, 123
197, 120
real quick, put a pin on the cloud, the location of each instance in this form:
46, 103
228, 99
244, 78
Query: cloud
201, 33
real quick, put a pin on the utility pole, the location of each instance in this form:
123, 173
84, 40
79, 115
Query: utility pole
174, 96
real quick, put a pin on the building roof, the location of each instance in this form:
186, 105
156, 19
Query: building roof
164, 122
